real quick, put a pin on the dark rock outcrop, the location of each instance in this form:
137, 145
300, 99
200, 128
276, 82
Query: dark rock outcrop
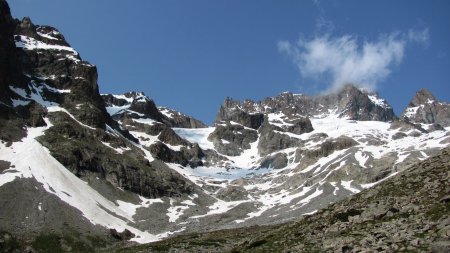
138, 105
359, 105
81, 150
277, 161
11, 124
8, 57
329, 146
299, 126
232, 139
188, 153
231, 111
350, 102
425, 108
175, 118
160, 151
59, 67
273, 138
125, 235
146, 106
232, 193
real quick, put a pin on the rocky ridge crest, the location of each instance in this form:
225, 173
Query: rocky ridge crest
425, 108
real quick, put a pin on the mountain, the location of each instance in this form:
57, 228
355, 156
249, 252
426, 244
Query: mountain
80, 170
68, 170
137, 105
425, 108
407, 212
350, 102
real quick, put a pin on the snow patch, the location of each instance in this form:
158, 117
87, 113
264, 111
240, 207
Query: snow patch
361, 158
377, 101
146, 121
29, 43
196, 135
219, 207
113, 110
348, 186
411, 111
119, 150
174, 212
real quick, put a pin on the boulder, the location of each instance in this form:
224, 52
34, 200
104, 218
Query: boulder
277, 161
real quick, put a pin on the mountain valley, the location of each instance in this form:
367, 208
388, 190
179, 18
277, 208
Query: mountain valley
82, 171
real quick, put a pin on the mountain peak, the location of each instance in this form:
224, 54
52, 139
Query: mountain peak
138, 105
423, 96
134, 94
425, 108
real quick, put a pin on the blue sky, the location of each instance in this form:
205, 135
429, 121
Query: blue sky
190, 55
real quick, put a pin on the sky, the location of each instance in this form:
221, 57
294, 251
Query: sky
191, 55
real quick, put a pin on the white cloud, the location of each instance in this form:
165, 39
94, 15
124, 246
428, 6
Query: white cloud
346, 59
420, 36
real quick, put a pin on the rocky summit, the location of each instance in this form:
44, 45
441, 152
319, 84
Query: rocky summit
82, 171
425, 108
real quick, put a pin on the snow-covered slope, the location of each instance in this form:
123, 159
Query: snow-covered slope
310, 181
29, 159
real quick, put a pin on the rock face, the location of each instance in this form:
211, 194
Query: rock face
66, 79
11, 122
61, 79
329, 146
153, 127
231, 111
232, 139
424, 108
128, 170
138, 105
349, 102
277, 161
272, 138
177, 119
280, 118
360, 105
9, 67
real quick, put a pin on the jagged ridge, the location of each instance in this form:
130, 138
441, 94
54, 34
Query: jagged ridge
151, 172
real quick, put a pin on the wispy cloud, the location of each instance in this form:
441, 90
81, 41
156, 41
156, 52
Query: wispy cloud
420, 36
347, 59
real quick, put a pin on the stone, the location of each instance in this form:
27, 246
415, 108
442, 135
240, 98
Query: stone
236, 137
232, 193
125, 235
398, 135
277, 161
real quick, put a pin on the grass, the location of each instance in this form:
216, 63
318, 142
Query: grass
8, 243
54, 243
49, 243
438, 211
